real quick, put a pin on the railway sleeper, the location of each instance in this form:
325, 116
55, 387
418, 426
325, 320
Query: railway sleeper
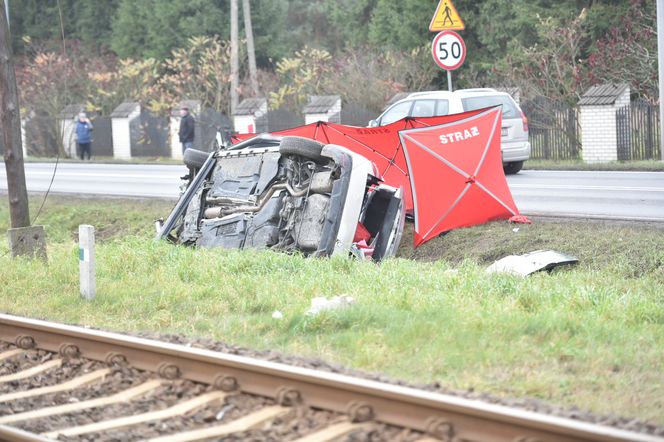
369, 405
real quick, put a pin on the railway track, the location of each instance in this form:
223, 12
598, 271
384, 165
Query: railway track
60, 382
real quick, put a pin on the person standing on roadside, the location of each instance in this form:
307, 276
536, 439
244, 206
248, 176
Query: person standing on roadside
84, 135
187, 128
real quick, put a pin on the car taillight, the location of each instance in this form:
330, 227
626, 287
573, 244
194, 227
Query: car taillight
524, 119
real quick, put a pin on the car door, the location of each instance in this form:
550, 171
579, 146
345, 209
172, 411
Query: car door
429, 108
396, 113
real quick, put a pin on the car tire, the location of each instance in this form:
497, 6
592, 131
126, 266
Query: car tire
513, 168
391, 231
195, 158
303, 147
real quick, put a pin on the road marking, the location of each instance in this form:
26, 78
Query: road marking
545, 214
103, 175
583, 187
588, 172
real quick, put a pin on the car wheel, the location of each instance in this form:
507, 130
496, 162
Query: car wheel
389, 236
513, 167
195, 158
303, 147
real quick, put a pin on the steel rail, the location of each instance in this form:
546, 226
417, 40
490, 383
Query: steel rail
441, 416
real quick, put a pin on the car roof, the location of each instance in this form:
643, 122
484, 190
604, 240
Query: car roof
461, 93
447, 95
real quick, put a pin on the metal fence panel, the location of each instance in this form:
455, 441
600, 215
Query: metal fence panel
353, 114
638, 133
207, 124
279, 119
149, 135
41, 135
623, 133
102, 137
553, 129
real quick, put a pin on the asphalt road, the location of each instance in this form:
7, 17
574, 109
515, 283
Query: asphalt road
620, 195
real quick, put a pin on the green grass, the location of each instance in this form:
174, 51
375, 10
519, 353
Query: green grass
645, 166
590, 336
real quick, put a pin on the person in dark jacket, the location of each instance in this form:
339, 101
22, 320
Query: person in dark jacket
187, 128
84, 135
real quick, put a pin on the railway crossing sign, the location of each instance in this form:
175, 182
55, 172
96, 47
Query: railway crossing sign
448, 50
446, 18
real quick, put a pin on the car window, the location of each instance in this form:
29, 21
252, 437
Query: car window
442, 107
423, 108
397, 112
509, 107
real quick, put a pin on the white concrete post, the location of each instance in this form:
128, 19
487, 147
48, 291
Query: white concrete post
86, 259
24, 140
173, 129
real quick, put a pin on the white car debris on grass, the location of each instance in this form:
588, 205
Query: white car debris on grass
321, 304
524, 265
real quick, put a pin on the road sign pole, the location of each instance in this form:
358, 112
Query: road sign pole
449, 80
660, 59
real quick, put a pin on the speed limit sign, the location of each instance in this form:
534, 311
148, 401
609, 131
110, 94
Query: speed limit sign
449, 50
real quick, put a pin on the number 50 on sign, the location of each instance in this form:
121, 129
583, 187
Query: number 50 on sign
448, 50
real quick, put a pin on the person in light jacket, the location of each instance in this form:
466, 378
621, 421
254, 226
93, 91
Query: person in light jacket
84, 135
187, 129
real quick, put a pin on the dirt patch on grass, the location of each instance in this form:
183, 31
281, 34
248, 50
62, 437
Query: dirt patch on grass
637, 247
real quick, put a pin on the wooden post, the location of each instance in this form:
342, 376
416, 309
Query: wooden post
235, 58
248, 30
86, 259
660, 63
10, 127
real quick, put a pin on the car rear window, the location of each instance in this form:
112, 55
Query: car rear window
509, 107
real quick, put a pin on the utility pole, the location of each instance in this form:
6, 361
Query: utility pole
23, 239
235, 57
10, 124
660, 64
248, 30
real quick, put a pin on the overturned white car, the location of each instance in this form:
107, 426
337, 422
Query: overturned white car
288, 194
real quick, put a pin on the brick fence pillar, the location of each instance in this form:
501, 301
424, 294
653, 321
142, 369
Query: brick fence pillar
597, 118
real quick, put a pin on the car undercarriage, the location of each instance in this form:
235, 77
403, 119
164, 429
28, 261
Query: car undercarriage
287, 194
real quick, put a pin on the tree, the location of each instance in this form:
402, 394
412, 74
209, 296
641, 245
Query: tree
200, 70
401, 25
10, 138
86, 20
350, 21
153, 28
92, 23
627, 53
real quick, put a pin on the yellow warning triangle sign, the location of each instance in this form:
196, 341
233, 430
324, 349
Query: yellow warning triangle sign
446, 18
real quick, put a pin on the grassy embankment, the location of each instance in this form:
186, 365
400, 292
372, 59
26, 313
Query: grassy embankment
590, 336
628, 166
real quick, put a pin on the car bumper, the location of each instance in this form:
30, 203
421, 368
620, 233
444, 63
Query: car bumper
515, 151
